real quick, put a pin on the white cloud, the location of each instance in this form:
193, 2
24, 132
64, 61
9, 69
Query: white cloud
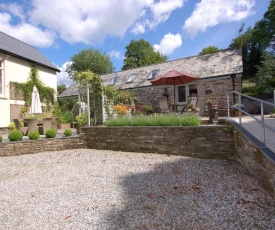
162, 9
115, 54
26, 32
87, 21
157, 12
62, 77
138, 29
169, 43
15, 9
84, 21
209, 13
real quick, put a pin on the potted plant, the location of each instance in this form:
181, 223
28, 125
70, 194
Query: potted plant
81, 120
66, 120
147, 109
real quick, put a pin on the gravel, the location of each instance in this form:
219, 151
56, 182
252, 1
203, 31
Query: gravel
94, 189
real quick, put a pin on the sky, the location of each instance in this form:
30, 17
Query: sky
177, 28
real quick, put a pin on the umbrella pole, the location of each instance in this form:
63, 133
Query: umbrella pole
174, 93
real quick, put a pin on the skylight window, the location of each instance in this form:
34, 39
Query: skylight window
114, 80
153, 74
131, 78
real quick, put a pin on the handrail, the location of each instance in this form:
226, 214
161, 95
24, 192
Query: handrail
261, 121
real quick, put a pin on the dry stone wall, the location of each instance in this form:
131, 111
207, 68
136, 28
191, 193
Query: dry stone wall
199, 141
41, 145
257, 158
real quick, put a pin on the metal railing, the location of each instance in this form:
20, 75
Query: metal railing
259, 120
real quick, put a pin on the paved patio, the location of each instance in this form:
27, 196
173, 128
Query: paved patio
255, 129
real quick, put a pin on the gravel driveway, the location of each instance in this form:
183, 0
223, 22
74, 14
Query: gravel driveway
92, 189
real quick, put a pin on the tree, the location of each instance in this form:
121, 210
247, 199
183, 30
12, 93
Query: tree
251, 52
90, 60
61, 88
141, 53
264, 29
209, 49
255, 42
266, 74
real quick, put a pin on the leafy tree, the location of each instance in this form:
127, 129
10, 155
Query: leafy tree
90, 60
61, 88
93, 80
141, 53
209, 49
255, 42
264, 30
251, 53
266, 74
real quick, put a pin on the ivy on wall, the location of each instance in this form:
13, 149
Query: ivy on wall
25, 89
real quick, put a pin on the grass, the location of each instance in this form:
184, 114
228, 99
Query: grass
156, 120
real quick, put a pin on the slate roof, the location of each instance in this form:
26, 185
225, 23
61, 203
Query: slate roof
216, 64
14, 47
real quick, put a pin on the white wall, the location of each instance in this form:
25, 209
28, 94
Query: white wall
17, 70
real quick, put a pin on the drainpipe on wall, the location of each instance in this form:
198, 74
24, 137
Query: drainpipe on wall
233, 84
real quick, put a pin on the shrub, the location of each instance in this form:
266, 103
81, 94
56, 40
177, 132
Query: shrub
68, 117
147, 109
15, 135
81, 119
34, 135
67, 132
51, 133
159, 120
1, 138
11, 126
121, 109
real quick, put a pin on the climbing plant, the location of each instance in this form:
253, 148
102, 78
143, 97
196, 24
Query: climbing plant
25, 89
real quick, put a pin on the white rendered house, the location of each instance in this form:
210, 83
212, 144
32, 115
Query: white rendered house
16, 60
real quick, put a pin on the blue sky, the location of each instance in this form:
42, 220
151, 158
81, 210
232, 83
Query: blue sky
176, 28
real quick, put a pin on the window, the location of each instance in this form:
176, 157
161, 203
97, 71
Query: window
181, 93
114, 80
153, 74
193, 89
131, 78
1, 77
184, 91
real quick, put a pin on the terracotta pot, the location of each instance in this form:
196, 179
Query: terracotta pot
236, 113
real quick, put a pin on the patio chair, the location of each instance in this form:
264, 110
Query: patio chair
18, 126
47, 124
194, 100
32, 125
155, 106
163, 105
55, 121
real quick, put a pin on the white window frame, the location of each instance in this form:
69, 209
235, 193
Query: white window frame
131, 78
150, 75
114, 80
2, 77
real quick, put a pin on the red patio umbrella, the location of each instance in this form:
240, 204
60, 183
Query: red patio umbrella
174, 77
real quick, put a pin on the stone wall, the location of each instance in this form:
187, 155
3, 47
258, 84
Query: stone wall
30, 147
257, 158
215, 141
219, 87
